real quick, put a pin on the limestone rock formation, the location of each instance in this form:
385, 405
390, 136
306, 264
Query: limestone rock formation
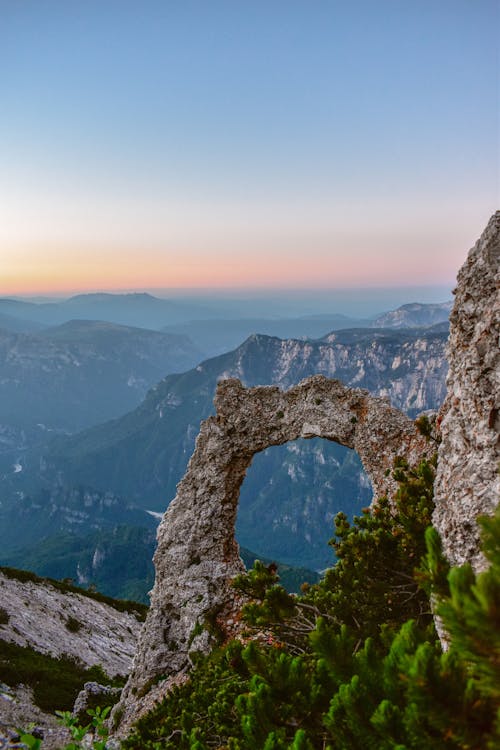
197, 555
91, 696
468, 481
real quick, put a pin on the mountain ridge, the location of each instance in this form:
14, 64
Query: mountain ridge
70, 376
132, 464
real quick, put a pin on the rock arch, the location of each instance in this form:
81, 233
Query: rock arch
197, 555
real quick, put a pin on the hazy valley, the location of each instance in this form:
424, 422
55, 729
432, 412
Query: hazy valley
86, 505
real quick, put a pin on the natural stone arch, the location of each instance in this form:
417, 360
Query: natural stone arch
197, 555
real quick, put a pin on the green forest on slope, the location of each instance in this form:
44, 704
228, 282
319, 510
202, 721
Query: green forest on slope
355, 661
125, 570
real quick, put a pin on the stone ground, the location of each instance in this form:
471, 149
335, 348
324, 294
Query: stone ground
17, 711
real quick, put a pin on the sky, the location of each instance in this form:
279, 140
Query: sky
244, 144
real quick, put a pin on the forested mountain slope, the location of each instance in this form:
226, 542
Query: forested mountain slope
97, 478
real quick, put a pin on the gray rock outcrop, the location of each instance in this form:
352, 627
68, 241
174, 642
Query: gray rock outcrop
197, 555
468, 482
92, 696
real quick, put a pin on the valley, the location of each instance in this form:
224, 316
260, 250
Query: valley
78, 498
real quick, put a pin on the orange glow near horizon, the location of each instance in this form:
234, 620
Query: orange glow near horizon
62, 272
48, 246
243, 150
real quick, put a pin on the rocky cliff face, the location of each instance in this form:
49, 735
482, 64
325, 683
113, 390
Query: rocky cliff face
141, 457
468, 482
197, 556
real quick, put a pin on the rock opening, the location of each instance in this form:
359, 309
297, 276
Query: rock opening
197, 555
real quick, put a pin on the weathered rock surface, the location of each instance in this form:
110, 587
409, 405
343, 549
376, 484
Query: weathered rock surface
92, 696
197, 555
39, 616
468, 481
53, 622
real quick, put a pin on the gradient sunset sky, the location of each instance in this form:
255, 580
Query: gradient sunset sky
244, 143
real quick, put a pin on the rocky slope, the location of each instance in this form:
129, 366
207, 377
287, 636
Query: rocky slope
49, 618
55, 622
18, 711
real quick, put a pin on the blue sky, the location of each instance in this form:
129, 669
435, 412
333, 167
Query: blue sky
244, 143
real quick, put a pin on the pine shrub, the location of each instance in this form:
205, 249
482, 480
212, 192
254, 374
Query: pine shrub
355, 661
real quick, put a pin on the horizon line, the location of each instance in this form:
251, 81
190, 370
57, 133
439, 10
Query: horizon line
222, 290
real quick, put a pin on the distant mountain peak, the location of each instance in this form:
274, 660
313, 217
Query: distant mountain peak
110, 296
414, 315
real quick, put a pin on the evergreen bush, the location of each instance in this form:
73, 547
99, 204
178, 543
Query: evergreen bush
355, 661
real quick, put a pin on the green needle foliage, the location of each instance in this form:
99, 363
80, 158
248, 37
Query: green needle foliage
355, 662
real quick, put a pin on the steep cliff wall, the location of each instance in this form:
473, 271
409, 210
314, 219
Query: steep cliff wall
197, 555
467, 481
